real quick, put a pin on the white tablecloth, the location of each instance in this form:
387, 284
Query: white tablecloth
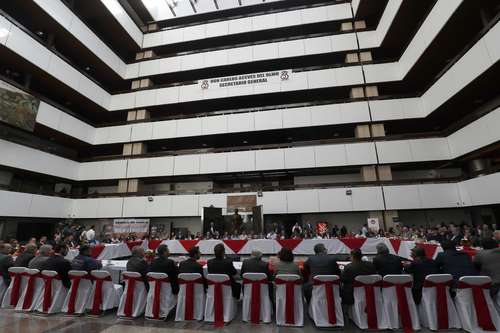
110, 251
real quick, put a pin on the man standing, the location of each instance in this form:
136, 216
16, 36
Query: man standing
162, 264
386, 263
488, 263
59, 264
420, 268
237, 222
6, 262
319, 264
450, 261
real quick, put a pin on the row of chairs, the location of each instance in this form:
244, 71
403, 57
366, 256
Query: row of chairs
378, 303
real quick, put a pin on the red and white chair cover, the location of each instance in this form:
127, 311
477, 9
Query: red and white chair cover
437, 310
53, 295
133, 300
3, 288
191, 297
289, 304
220, 305
17, 284
105, 294
325, 307
398, 302
79, 293
497, 303
474, 305
256, 300
160, 300
32, 292
368, 311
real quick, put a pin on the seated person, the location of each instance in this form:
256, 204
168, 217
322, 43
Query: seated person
319, 264
255, 264
43, 255
222, 265
6, 262
24, 258
137, 264
162, 264
191, 265
420, 268
456, 263
84, 261
386, 263
357, 267
285, 265
487, 262
57, 263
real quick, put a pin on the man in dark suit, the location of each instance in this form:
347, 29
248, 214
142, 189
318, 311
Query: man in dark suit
222, 265
456, 263
57, 263
136, 263
420, 268
488, 263
255, 265
355, 268
84, 261
456, 235
191, 265
164, 265
386, 263
5, 262
24, 258
319, 264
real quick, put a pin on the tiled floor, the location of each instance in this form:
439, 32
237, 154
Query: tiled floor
13, 322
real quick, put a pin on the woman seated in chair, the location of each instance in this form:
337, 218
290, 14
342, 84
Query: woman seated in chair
285, 265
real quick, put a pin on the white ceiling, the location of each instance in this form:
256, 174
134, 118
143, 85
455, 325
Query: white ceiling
160, 9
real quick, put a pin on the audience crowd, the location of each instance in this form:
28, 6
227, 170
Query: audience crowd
49, 254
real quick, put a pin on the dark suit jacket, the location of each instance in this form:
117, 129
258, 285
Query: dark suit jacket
420, 268
225, 266
190, 265
23, 259
139, 265
254, 265
350, 272
6, 262
167, 266
321, 265
387, 264
457, 264
61, 266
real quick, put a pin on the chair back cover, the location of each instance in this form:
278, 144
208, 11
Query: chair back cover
191, 297
14, 289
105, 294
289, 303
133, 300
437, 309
368, 309
53, 295
256, 299
32, 292
220, 306
398, 302
474, 305
78, 294
160, 300
325, 307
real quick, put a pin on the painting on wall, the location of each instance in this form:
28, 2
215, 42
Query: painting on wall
18, 108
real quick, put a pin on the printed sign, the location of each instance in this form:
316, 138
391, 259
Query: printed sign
126, 226
373, 224
246, 79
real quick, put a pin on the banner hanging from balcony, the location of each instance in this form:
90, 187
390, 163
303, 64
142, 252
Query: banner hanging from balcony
17, 108
262, 78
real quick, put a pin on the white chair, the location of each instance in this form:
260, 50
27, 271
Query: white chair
105, 294
368, 312
398, 302
325, 307
79, 293
3, 288
191, 297
160, 300
220, 305
437, 310
497, 303
474, 305
32, 292
256, 300
53, 295
16, 286
289, 303
133, 301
